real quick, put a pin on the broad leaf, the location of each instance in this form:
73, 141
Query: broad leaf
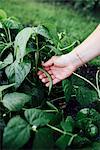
86, 96
43, 139
67, 88
21, 42
36, 117
17, 72
68, 124
42, 30
15, 101
63, 141
8, 60
16, 134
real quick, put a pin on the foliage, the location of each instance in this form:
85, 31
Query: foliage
29, 116
86, 4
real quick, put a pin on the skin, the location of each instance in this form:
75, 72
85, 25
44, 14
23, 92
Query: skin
61, 67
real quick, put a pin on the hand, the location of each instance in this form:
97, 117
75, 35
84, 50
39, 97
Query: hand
59, 67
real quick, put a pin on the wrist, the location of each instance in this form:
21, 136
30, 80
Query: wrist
75, 59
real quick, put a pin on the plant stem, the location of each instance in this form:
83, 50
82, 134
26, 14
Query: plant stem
86, 81
6, 47
30, 82
70, 46
71, 139
51, 111
37, 54
60, 131
97, 82
9, 35
53, 100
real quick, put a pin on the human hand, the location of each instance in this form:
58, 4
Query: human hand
59, 67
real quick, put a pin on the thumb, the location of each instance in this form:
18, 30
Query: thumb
50, 62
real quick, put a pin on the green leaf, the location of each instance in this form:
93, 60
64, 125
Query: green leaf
43, 139
17, 72
12, 23
21, 42
15, 101
7, 61
79, 141
68, 124
16, 134
67, 88
53, 34
63, 141
96, 146
41, 30
36, 117
85, 96
3, 14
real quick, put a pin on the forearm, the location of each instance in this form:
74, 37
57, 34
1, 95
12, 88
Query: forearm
89, 49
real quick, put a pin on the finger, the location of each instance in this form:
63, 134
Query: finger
42, 76
53, 77
45, 80
54, 82
50, 72
39, 72
47, 68
49, 62
53, 68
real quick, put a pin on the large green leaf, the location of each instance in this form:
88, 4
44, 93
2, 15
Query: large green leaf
21, 42
17, 72
67, 88
68, 124
63, 141
41, 30
16, 134
15, 101
36, 117
8, 60
43, 139
85, 96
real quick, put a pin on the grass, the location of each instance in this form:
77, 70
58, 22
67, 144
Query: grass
58, 17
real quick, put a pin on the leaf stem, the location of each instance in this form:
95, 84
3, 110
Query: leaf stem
53, 100
37, 54
97, 82
86, 81
48, 111
9, 35
59, 130
65, 48
71, 139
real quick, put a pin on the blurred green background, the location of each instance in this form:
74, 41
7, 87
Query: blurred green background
61, 17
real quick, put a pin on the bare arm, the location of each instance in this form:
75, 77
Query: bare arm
89, 49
